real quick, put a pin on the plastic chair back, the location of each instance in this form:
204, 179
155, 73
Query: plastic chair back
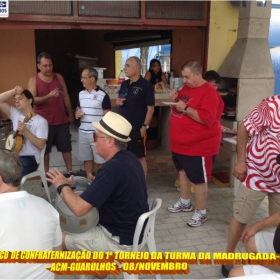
148, 236
39, 172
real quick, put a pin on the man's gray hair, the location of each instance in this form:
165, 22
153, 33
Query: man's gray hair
193, 65
137, 60
91, 72
43, 55
10, 168
119, 144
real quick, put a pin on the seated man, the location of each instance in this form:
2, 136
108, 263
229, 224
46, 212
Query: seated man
118, 191
258, 241
35, 130
27, 223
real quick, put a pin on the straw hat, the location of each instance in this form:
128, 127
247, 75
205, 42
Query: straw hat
114, 125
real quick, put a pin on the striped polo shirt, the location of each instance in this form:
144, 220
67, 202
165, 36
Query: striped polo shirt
92, 103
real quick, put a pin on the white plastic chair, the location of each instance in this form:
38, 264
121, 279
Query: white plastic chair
148, 236
39, 172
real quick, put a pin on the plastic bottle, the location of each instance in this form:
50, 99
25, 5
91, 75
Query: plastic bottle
121, 77
171, 80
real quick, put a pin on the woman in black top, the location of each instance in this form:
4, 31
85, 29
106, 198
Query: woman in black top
155, 74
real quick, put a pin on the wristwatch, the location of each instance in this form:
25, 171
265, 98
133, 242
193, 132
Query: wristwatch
145, 125
60, 187
185, 110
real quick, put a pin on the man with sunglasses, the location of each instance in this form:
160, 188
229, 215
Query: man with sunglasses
118, 191
27, 223
92, 105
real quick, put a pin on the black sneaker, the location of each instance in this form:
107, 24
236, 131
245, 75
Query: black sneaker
69, 174
49, 184
226, 270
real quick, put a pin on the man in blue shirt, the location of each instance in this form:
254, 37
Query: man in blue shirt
118, 191
137, 106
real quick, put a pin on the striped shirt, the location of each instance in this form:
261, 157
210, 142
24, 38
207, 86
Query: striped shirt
92, 104
263, 123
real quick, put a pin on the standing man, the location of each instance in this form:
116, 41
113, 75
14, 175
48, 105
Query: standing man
51, 99
195, 136
118, 191
256, 168
93, 104
34, 132
214, 79
137, 107
28, 222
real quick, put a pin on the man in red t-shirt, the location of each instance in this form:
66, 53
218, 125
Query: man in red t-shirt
195, 136
51, 98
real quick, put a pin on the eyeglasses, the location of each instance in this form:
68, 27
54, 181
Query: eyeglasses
95, 136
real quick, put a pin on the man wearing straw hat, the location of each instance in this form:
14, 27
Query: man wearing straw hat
118, 191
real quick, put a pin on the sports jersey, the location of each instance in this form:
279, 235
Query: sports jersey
189, 137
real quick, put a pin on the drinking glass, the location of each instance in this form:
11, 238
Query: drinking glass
81, 112
121, 96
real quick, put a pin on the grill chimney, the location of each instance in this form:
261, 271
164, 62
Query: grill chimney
249, 59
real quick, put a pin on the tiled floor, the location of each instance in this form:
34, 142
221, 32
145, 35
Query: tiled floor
171, 231
56, 160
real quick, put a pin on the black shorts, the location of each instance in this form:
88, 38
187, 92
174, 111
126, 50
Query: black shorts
60, 136
137, 144
198, 169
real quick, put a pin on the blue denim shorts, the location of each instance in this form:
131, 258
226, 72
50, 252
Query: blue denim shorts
29, 164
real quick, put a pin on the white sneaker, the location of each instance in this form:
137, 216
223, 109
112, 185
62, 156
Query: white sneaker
180, 206
197, 219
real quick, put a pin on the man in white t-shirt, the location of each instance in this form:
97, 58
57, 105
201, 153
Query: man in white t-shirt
27, 223
92, 105
35, 131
